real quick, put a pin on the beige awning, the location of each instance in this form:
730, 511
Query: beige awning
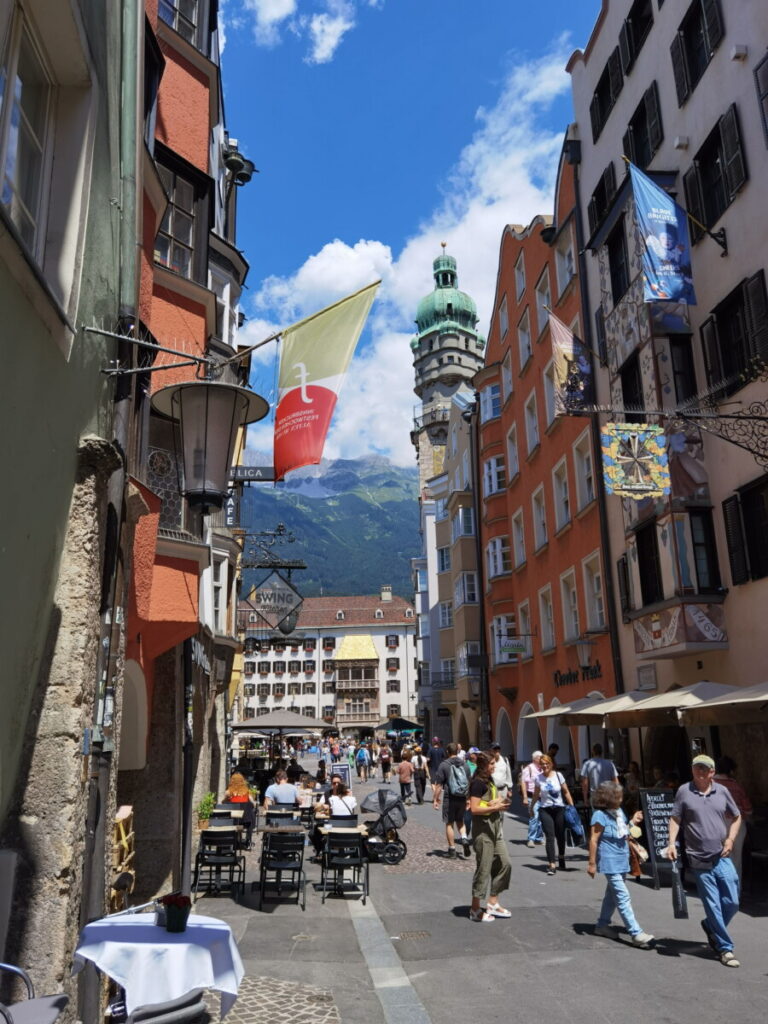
662, 708
747, 704
558, 710
595, 713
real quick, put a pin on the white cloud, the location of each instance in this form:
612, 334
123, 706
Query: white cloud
269, 16
323, 30
505, 174
326, 30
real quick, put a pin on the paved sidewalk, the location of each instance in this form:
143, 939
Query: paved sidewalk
412, 956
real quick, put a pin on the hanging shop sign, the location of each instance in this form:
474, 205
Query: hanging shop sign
275, 599
635, 462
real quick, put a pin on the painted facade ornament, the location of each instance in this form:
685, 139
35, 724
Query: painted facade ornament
635, 463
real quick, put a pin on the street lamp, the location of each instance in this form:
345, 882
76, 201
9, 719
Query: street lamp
210, 414
584, 651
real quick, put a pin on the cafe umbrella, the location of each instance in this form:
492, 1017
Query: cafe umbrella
281, 723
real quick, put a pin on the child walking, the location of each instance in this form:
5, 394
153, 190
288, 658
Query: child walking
609, 854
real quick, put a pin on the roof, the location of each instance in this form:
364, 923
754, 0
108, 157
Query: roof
358, 609
356, 648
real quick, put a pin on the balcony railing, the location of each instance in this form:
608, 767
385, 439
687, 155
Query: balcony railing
356, 684
443, 680
359, 716
435, 416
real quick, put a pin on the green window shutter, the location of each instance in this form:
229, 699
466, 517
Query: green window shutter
710, 343
733, 154
595, 117
609, 182
713, 23
653, 116
694, 200
622, 574
615, 76
626, 46
757, 314
680, 69
734, 535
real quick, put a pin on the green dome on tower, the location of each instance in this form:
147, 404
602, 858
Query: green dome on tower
446, 304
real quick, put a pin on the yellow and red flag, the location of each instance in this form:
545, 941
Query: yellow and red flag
314, 357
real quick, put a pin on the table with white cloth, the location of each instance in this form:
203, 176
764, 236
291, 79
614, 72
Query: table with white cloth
155, 966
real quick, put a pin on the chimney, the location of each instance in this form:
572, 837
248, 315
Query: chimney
386, 593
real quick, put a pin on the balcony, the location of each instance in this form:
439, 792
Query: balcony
680, 627
356, 684
357, 717
435, 416
443, 680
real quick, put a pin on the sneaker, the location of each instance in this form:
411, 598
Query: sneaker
710, 936
496, 910
728, 959
480, 915
605, 930
467, 844
561, 864
642, 939
453, 853
550, 870
530, 843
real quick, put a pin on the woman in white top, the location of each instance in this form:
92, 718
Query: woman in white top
552, 794
342, 803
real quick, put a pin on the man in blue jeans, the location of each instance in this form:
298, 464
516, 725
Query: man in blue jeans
710, 820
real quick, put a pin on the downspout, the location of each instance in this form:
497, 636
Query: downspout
485, 696
111, 612
597, 455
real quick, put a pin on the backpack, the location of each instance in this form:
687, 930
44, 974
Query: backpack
362, 756
458, 783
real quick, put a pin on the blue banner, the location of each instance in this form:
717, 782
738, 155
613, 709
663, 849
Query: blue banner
666, 246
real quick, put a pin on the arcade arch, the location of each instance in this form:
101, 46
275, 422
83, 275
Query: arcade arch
133, 722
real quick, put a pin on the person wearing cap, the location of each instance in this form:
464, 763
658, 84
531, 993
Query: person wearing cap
502, 773
710, 821
529, 776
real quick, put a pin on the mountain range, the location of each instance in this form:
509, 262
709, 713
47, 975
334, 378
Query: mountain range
355, 522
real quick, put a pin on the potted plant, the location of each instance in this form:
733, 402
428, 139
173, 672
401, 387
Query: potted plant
175, 909
204, 809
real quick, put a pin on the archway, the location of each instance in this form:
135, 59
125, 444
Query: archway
528, 736
133, 722
561, 735
503, 735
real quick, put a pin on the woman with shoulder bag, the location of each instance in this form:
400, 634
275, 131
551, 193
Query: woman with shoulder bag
552, 794
420, 766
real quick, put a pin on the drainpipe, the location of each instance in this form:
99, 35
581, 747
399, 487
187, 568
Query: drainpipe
111, 612
485, 701
188, 771
597, 455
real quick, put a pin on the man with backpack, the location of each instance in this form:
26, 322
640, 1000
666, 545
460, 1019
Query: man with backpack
452, 782
363, 762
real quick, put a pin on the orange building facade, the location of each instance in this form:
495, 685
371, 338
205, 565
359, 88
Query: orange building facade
540, 523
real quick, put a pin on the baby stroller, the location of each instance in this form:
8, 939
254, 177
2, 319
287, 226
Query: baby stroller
383, 842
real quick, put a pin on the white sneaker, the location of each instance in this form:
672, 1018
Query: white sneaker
480, 915
530, 843
642, 939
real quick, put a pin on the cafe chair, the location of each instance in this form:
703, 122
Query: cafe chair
33, 1009
219, 852
344, 852
184, 1010
276, 818
342, 821
282, 853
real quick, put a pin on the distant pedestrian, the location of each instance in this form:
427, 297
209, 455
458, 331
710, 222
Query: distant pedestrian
363, 762
710, 821
609, 854
552, 793
405, 774
492, 864
595, 771
452, 783
552, 752
385, 760
420, 767
529, 776
502, 772
435, 755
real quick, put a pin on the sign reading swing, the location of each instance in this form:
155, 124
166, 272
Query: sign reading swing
275, 599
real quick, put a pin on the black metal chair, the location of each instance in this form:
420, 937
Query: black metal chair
282, 853
342, 821
219, 852
33, 1009
276, 817
184, 1010
344, 852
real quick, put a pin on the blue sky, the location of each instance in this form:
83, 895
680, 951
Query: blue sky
381, 128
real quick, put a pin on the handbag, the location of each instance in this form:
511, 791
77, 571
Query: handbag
638, 850
573, 822
679, 898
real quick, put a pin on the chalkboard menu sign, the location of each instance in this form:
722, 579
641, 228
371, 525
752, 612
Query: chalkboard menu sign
657, 806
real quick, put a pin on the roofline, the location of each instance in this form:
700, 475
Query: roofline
583, 55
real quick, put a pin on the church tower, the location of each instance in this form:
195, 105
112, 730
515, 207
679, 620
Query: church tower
447, 352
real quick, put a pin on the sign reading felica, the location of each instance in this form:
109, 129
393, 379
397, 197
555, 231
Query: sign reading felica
252, 473
275, 599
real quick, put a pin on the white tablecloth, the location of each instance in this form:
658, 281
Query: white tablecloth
154, 966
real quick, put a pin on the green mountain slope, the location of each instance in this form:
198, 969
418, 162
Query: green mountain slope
356, 524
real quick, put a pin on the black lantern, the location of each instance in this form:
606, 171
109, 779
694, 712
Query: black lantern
210, 415
288, 624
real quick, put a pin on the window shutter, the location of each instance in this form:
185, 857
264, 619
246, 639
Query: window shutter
710, 343
622, 572
733, 155
713, 23
628, 144
653, 117
680, 68
609, 183
615, 76
602, 349
734, 536
627, 46
592, 215
594, 116
761, 83
693, 200
757, 314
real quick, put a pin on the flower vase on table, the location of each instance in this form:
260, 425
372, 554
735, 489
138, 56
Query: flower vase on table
174, 912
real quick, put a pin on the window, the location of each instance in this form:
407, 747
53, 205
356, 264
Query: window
520, 276
761, 84
494, 477
294, 667
249, 667
263, 668
746, 531
704, 550
683, 373
463, 523
180, 15
424, 628
393, 640
175, 241
393, 664
329, 643
718, 172
618, 262
309, 666
583, 470
465, 654
328, 686
549, 393
503, 318
454, 439
608, 88
490, 402
340, 615
446, 614
498, 556
443, 559
547, 616
309, 645
735, 337
560, 492
531, 422
644, 133
308, 688
441, 509
278, 689
503, 633
328, 666
564, 261
393, 686
512, 453
601, 198
219, 570
259, 712
570, 601
634, 32
393, 710
262, 689
378, 614
294, 689
524, 339
518, 538
420, 582
328, 711
465, 470
308, 711
465, 589
278, 668
539, 519
593, 592
649, 567
506, 377
524, 629
632, 389
543, 301
698, 36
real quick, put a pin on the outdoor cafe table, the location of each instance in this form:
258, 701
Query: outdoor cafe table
156, 966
